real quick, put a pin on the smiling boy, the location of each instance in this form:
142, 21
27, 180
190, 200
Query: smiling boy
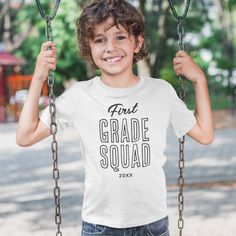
122, 121
112, 52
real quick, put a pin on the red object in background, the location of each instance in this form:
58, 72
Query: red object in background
7, 59
19, 83
10, 84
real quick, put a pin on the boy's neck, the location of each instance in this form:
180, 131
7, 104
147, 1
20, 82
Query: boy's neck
121, 81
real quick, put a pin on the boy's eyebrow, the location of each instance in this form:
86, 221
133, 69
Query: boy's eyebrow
98, 35
117, 32
121, 32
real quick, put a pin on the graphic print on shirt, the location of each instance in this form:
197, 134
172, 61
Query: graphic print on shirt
124, 140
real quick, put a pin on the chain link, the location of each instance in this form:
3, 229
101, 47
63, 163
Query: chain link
186, 8
53, 125
53, 13
180, 32
181, 185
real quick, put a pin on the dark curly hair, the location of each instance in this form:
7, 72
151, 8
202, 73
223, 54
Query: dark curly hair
122, 13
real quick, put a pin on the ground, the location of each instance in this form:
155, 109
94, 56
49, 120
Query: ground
224, 119
26, 198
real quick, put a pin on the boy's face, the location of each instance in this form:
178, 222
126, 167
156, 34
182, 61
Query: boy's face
113, 49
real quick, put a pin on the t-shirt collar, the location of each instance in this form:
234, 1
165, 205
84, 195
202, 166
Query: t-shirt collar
117, 92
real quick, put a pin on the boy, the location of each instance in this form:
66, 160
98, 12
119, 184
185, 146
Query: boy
122, 121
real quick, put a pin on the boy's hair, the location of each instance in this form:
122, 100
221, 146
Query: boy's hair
99, 11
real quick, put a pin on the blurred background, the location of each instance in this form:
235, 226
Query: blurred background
210, 38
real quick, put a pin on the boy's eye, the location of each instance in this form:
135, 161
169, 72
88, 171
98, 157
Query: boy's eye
121, 37
99, 40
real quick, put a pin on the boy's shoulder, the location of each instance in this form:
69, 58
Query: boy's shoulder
79, 85
161, 83
76, 90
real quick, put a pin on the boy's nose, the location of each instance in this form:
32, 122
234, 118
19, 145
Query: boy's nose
110, 46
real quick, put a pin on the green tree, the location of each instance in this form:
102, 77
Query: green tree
221, 43
161, 34
70, 65
14, 29
162, 37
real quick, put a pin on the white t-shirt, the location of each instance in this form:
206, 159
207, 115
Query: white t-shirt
123, 132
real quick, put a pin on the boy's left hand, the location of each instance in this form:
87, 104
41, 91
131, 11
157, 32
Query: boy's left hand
184, 65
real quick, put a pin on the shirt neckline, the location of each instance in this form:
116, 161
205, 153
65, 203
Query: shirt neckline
117, 92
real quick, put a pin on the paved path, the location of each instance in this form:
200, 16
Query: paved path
26, 204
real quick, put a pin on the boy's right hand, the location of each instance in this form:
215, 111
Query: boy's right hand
46, 61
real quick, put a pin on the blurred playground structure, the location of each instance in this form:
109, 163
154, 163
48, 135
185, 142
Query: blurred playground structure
210, 38
14, 87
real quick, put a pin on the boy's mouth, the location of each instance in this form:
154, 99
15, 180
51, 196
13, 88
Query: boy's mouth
113, 59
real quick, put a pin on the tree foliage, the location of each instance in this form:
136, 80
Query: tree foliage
209, 30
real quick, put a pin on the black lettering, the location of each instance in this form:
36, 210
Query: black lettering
114, 126
114, 158
103, 134
135, 157
103, 152
146, 156
135, 130
144, 129
124, 131
113, 109
124, 155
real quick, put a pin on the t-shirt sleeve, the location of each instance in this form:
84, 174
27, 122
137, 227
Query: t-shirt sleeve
182, 119
63, 114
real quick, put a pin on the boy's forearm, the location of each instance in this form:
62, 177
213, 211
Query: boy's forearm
203, 112
30, 113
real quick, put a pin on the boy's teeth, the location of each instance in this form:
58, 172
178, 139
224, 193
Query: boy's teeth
114, 59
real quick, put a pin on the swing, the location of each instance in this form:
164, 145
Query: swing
180, 31
53, 125
52, 110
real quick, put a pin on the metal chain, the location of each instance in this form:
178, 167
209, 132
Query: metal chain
53, 13
186, 8
180, 32
53, 125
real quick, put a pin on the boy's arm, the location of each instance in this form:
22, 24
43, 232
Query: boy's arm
30, 129
203, 130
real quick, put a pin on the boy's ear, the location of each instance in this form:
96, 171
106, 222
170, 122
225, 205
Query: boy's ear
139, 43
